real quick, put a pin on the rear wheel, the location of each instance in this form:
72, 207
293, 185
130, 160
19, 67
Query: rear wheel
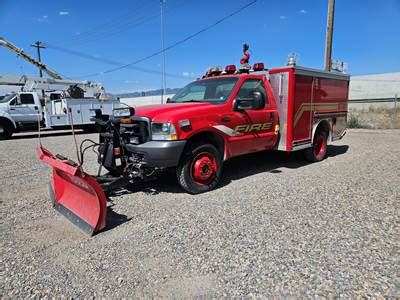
5, 131
318, 150
200, 169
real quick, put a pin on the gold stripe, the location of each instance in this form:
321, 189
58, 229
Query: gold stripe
304, 107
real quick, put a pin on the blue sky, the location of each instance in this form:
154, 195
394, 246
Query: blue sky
367, 36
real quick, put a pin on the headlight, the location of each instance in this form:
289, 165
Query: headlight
163, 132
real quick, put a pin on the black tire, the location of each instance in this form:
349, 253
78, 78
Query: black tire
317, 152
200, 169
6, 131
91, 128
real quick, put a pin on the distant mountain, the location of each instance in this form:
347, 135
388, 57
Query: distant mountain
147, 93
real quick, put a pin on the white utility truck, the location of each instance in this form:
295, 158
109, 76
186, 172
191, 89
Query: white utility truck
26, 111
51, 103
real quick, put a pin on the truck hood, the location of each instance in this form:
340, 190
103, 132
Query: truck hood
173, 111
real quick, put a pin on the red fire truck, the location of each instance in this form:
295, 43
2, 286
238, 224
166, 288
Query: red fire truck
225, 114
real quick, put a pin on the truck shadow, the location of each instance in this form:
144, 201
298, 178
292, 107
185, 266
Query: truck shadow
269, 161
234, 169
237, 168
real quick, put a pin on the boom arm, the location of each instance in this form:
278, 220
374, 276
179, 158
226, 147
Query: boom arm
29, 58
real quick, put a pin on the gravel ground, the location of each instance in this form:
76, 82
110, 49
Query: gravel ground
275, 227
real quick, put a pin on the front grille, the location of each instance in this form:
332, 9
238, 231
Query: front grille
138, 132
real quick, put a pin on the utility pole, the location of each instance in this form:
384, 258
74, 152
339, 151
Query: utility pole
329, 35
38, 45
164, 81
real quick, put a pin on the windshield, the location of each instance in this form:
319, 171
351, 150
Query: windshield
7, 98
215, 90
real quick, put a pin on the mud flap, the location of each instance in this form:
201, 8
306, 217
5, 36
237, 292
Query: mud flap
75, 194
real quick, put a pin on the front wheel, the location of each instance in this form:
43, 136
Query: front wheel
5, 131
317, 152
200, 169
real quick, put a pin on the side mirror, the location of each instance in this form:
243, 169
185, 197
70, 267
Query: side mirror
255, 102
168, 100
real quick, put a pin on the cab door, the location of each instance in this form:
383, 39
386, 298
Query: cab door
31, 107
23, 108
16, 110
255, 128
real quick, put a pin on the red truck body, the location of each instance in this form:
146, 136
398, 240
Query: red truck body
306, 97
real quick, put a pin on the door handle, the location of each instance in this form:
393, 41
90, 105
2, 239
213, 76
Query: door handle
226, 119
36, 108
12, 108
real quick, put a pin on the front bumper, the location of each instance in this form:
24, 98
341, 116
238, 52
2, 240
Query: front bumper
162, 154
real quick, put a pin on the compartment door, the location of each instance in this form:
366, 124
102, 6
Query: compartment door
302, 108
280, 86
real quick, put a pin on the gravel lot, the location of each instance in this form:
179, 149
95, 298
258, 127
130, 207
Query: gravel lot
276, 226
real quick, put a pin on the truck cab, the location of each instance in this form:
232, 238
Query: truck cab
223, 115
17, 111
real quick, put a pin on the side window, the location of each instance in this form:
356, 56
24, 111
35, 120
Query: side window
27, 99
55, 96
223, 91
252, 85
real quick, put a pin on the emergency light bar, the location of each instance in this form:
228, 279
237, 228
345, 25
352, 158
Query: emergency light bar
213, 71
230, 69
258, 67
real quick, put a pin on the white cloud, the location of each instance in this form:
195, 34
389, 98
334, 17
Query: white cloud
43, 19
63, 13
302, 11
282, 17
186, 74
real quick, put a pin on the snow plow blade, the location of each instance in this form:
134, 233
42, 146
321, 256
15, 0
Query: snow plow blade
75, 194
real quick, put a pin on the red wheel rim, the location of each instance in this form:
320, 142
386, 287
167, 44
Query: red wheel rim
204, 168
320, 146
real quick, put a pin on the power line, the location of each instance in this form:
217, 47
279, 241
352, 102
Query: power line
114, 31
112, 22
112, 62
117, 26
176, 43
109, 25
